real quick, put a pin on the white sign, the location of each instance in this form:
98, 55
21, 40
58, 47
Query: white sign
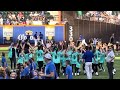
24, 37
7, 31
70, 33
50, 31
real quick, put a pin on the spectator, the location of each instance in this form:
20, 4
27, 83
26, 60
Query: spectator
10, 16
27, 21
50, 71
119, 18
2, 73
7, 22
4, 62
13, 16
19, 16
1, 20
68, 70
22, 20
65, 20
79, 14
110, 60
31, 14
36, 14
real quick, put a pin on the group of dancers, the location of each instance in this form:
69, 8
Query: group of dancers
30, 59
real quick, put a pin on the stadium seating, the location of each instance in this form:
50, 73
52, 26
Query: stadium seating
8, 18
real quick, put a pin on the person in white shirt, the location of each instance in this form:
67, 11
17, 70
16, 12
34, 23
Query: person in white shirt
31, 14
36, 14
1, 21
110, 60
109, 13
13, 16
95, 41
28, 22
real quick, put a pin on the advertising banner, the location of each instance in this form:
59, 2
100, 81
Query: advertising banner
1, 35
49, 32
14, 33
20, 32
59, 33
7, 34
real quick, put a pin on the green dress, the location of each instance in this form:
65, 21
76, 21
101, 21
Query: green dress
20, 60
54, 55
10, 53
69, 53
39, 55
97, 57
26, 57
102, 57
74, 58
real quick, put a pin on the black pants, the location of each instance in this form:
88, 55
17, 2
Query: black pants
57, 65
110, 69
63, 68
74, 68
95, 67
40, 65
77, 70
13, 60
113, 65
101, 66
83, 66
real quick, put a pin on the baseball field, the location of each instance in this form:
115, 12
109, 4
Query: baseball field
102, 75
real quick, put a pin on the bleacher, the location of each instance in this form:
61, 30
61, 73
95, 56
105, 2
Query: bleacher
38, 17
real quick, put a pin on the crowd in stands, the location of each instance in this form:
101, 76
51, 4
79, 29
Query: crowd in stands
25, 17
100, 16
44, 17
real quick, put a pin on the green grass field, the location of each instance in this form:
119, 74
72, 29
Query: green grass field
102, 75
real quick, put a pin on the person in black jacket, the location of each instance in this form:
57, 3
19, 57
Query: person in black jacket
112, 39
14, 55
19, 47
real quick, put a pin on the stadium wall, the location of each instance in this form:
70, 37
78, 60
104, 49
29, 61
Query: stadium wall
10, 33
92, 29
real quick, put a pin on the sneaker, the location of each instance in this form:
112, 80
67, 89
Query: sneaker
114, 70
84, 72
63, 74
113, 73
75, 74
92, 71
96, 73
72, 73
57, 77
104, 70
78, 74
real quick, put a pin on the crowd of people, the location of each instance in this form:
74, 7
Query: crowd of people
69, 58
25, 17
100, 16
44, 17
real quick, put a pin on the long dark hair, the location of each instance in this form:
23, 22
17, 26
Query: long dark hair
2, 72
3, 54
40, 47
94, 49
